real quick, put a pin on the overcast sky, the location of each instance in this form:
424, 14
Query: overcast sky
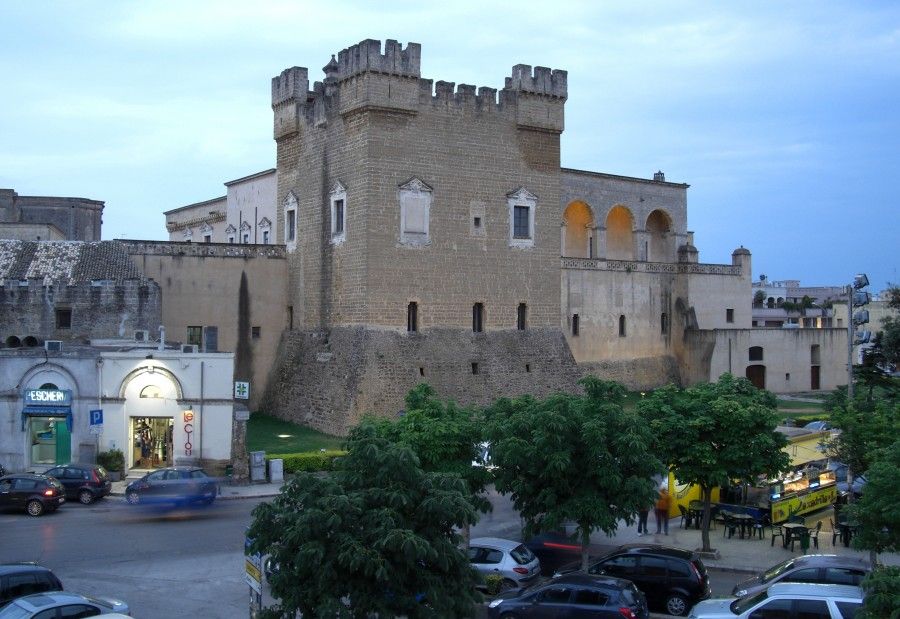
784, 117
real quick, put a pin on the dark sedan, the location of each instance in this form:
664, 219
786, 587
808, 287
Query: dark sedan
180, 485
575, 596
35, 494
84, 482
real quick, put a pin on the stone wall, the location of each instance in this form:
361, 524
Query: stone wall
327, 380
78, 219
636, 374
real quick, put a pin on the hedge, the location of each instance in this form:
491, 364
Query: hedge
308, 461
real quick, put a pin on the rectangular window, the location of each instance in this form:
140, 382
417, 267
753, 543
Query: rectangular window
207, 238
246, 239
575, 324
64, 318
478, 317
290, 316
195, 335
477, 222
729, 315
211, 339
521, 315
474, 368
231, 240
521, 225
412, 317
338, 217
265, 237
291, 225
254, 332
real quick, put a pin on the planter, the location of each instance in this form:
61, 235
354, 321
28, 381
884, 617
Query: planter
115, 475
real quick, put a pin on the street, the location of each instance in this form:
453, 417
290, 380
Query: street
174, 563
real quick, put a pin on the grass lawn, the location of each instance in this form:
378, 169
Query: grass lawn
275, 436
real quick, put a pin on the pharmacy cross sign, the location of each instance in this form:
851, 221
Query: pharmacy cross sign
241, 390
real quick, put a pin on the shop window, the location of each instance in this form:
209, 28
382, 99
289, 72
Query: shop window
521, 315
412, 317
729, 315
63, 318
478, 317
195, 335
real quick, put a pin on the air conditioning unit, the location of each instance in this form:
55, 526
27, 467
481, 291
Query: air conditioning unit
53, 345
141, 335
189, 348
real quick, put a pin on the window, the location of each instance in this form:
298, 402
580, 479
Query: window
254, 332
774, 609
64, 318
265, 237
812, 609
575, 324
291, 225
290, 220
76, 611
729, 315
678, 569
476, 222
195, 335
848, 609
421, 371
815, 354
617, 566
474, 367
338, 217
211, 338
521, 204
492, 556
478, 317
290, 316
151, 391
654, 567
412, 317
663, 323
622, 326
521, 315
246, 240
415, 211
338, 198
591, 597
787, 376
554, 595
527, 367
207, 238
231, 239
807, 575
756, 353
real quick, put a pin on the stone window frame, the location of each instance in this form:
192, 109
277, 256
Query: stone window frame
265, 226
187, 235
523, 198
478, 317
415, 187
231, 233
412, 317
245, 233
522, 316
289, 205
729, 315
337, 194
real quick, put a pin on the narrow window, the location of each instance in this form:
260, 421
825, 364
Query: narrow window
254, 332
787, 376
622, 326
246, 238
421, 371
663, 323
265, 237
338, 217
527, 367
478, 317
207, 238
521, 226
729, 315
195, 335
231, 239
477, 222
290, 316
291, 225
521, 315
815, 354
474, 368
574, 324
412, 317
64, 318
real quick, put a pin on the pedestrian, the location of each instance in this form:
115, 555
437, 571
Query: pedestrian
662, 511
642, 521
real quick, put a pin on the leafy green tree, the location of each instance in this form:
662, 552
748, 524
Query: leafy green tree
759, 297
571, 458
878, 510
863, 432
890, 339
376, 536
882, 587
716, 433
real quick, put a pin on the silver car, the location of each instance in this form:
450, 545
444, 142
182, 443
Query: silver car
823, 569
512, 560
64, 603
786, 600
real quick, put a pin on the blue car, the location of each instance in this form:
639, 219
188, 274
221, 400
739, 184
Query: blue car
180, 485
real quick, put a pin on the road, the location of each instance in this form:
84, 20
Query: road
173, 563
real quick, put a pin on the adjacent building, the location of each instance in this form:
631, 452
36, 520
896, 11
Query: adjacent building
42, 218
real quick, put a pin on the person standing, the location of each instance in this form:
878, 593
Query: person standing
642, 520
662, 511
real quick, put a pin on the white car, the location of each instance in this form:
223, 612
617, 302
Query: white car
786, 600
512, 560
65, 604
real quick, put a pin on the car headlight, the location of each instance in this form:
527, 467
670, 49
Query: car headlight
495, 603
741, 593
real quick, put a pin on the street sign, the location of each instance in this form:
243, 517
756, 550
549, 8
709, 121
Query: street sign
97, 417
241, 390
96, 429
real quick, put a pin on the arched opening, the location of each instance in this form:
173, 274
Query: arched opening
30, 341
619, 234
756, 374
578, 240
659, 226
13, 342
755, 353
770, 303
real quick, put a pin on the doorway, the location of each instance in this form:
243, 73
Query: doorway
151, 442
814, 378
756, 374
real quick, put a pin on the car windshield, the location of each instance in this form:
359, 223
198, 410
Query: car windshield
741, 605
522, 555
778, 570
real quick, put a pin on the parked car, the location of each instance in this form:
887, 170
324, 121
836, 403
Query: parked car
41, 605
787, 601
512, 560
18, 579
85, 482
575, 596
35, 494
826, 569
555, 549
672, 579
818, 426
177, 484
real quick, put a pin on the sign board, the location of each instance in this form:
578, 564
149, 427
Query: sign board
253, 572
186, 435
97, 417
803, 504
241, 390
96, 429
48, 397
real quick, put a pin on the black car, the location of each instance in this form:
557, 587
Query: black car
574, 596
34, 494
18, 579
85, 482
822, 569
672, 579
177, 484
555, 549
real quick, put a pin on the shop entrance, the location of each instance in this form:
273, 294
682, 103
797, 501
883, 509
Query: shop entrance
151, 442
50, 440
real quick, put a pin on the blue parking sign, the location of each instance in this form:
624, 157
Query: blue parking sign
97, 417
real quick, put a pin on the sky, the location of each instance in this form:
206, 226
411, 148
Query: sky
784, 117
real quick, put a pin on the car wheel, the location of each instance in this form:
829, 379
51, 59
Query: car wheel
35, 507
677, 605
508, 585
133, 497
85, 497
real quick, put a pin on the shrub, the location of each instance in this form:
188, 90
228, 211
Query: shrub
308, 461
493, 583
112, 460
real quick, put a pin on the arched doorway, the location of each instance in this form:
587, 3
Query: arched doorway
659, 227
756, 374
619, 234
151, 406
579, 229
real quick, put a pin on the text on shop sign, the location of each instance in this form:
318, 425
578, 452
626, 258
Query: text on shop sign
188, 417
55, 397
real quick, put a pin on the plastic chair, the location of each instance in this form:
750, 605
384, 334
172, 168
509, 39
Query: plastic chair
730, 526
834, 532
777, 532
685, 516
814, 534
759, 527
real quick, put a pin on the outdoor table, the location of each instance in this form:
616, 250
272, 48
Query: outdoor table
745, 522
792, 530
847, 528
695, 511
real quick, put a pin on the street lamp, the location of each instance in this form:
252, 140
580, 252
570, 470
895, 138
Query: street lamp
858, 297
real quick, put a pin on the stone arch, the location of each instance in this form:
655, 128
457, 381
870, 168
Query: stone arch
619, 233
659, 234
578, 233
52, 373
138, 378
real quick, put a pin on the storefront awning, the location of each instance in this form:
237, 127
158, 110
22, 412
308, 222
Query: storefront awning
48, 411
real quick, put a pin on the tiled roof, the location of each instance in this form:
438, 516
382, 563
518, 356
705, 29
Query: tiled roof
66, 262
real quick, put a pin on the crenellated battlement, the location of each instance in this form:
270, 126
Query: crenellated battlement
544, 81
366, 56
291, 84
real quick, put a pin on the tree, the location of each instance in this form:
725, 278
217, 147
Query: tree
878, 510
376, 536
759, 297
716, 433
864, 431
882, 587
570, 458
